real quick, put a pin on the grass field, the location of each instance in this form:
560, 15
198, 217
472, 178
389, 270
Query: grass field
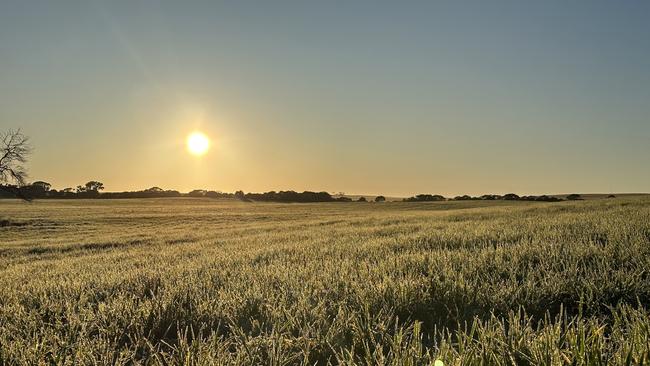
199, 281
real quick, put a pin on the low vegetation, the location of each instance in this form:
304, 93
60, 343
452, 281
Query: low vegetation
205, 281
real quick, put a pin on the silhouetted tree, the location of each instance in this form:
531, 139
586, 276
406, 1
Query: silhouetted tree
611, 196
42, 186
94, 186
217, 194
292, 196
465, 198
490, 197
510, 197
425, 198
197, 193
362, 199
38, 189
574, 197
14, 148
380, 199
545, 198
90, 189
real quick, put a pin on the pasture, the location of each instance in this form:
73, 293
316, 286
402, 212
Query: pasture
203, 282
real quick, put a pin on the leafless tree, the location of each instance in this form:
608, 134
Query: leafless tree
14, 148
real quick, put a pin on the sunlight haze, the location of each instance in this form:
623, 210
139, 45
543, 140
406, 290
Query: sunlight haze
449, 97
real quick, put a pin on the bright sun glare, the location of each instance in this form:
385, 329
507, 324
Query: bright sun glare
198, 143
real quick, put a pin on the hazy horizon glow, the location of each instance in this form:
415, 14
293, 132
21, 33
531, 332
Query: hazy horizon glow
448, 97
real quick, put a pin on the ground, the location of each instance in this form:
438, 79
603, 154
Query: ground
201, 281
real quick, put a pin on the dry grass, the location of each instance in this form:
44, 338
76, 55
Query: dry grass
184, 281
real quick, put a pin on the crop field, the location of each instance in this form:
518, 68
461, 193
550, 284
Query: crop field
221, 282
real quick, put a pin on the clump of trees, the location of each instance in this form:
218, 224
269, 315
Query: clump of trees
490, 197
485, 197
90, 189
425, 198
41, 189
466, 198
510, 197
153, 192
542, 198
291, 196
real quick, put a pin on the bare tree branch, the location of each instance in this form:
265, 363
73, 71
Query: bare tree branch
14, 149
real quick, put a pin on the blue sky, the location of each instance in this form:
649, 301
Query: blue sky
391, 98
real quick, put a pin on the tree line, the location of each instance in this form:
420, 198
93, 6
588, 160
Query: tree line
494, 197
15, 147
92, 189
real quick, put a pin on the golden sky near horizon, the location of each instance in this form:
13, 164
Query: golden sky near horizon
393, 99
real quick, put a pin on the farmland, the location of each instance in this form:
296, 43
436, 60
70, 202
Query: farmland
207, 281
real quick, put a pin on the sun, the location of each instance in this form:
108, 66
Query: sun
198, 143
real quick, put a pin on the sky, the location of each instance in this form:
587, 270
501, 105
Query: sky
362, 97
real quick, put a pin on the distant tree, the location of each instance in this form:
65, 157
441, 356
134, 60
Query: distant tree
67, 190
465, 198
38, 189
154, 190
574, 197
490, 197
197, 193
42, 186
611, 196
510, 197
290, 196
94, 186
380, 199
362, 199
425, 198
45, 186
545, 198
